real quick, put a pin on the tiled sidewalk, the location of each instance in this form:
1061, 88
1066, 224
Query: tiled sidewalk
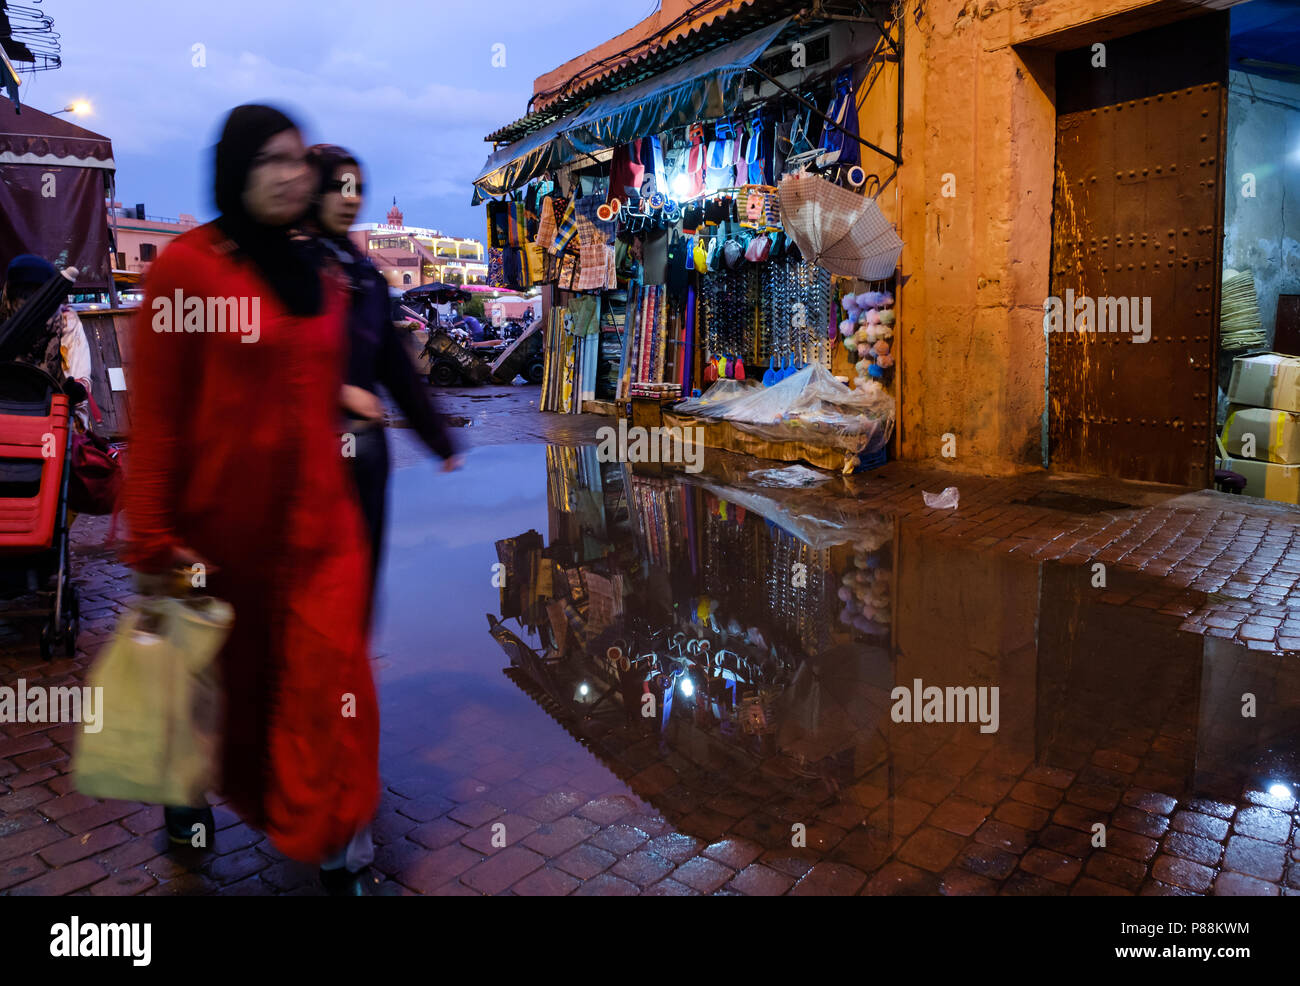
952, 813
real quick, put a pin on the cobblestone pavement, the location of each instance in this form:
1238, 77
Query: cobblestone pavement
1120, 708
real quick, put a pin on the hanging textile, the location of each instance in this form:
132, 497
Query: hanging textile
585, 310
688, 349
496, 267
534, 264
498, 224
626, 171
693, 186
843, 114
546, 225
566, 228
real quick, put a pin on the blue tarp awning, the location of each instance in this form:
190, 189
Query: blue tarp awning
516, 164
707, 87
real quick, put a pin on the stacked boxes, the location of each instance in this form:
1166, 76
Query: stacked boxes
1262, 432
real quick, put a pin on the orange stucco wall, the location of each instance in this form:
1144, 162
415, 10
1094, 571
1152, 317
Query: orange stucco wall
979, 106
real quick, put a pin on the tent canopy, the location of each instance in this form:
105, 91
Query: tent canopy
706, 87
53, 177
516, 164
33, 137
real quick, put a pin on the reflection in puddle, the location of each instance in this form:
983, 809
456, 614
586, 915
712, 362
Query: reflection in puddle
782, 667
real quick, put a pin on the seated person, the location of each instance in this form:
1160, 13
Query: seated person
473, 326
62, 350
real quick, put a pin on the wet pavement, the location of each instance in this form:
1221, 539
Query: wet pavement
1116, 704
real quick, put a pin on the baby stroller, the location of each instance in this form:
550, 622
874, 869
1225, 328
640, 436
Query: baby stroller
35, 418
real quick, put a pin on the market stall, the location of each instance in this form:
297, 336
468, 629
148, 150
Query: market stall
689, 232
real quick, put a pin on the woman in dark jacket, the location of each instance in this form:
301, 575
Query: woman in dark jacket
377, 354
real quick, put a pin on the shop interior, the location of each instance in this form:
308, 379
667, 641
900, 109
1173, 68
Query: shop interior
1259, 367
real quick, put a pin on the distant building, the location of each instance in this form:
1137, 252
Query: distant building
409, 256
141, 237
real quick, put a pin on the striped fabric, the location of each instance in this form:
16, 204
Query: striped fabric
566, 228
593, 257
546, 226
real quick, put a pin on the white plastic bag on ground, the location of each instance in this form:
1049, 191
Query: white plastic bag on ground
947, 500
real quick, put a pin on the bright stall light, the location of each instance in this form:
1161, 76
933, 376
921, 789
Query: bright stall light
1280, 791
688, 687
681, 186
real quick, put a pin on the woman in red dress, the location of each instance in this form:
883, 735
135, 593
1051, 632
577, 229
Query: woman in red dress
237, 463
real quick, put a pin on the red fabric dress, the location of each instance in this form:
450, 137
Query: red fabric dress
236, 453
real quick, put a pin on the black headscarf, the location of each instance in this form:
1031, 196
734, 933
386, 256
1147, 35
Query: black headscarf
326, 159
289, 266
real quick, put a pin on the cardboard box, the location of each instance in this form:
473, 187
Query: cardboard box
1269, 480
1262, 433
1267, 380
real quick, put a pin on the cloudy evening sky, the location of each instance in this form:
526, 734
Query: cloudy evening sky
410, 87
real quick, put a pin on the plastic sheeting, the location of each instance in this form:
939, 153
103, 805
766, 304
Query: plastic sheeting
810, 407
813, 528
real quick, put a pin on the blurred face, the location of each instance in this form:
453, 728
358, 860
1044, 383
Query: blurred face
341, 201
279, 182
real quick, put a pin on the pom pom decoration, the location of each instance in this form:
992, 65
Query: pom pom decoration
867, 332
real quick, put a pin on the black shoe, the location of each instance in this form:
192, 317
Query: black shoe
181, 823
342, 882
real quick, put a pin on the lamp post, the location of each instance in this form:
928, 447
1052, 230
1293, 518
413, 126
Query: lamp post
79, 107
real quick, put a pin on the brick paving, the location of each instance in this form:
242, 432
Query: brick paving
949, 811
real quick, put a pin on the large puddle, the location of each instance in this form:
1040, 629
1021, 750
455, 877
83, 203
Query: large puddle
830, 684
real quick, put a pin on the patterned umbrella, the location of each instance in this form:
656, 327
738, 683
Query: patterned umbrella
837, 228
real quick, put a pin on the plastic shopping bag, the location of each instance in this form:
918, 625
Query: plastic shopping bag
160, 707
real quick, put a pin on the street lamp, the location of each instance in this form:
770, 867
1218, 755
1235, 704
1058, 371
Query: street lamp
78, 107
